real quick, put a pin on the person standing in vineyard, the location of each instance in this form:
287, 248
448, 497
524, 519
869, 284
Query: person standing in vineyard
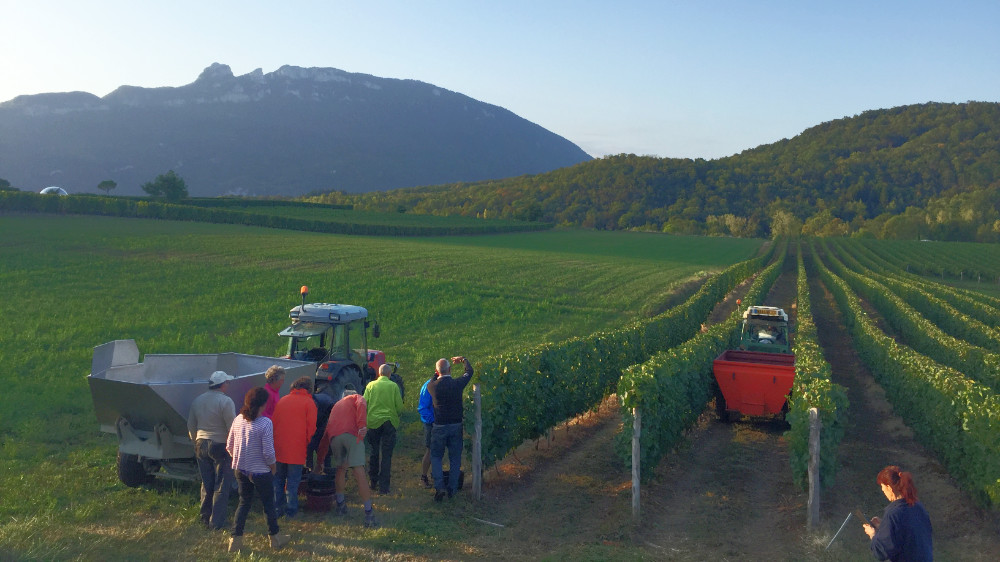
344, 435
446, 396
251, 444
209, 420
904, 532
425, 407
275, 376
324, 403
294, 420
385, 402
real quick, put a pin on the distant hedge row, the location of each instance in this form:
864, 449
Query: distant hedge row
236, 203
26, 202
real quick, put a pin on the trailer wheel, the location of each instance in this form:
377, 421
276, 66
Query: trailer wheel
720, 406
131, 472
784, 411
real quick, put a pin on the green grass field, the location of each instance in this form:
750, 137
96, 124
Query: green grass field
70, 283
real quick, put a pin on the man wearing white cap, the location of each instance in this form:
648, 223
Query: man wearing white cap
209, 420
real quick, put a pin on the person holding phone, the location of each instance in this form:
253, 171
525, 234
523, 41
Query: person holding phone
446, 433
904, 531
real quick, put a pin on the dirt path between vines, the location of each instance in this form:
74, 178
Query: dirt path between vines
700, 504
726, 493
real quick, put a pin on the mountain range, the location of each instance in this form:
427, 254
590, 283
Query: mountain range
286, 133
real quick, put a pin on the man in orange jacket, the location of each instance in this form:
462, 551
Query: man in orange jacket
294, 422
345, 430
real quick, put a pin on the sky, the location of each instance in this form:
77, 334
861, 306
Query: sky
678, 79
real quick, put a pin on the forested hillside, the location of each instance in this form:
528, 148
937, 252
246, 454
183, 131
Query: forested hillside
919, 171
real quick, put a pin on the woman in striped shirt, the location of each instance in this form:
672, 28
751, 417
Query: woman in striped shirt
251, 444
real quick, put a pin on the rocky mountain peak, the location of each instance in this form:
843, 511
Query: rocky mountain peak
217, 72
287, 132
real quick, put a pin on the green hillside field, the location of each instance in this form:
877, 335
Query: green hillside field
73, 282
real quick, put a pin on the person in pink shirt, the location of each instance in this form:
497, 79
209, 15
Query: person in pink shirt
275, 378
251, 444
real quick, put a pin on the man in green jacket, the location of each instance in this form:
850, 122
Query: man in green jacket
385, 402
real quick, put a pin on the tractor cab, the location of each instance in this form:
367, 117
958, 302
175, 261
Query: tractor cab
765, 328
335, 337
322, 331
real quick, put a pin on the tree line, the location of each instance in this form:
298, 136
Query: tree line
169, 187
918, 171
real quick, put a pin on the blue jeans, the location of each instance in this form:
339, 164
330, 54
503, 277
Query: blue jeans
446, 437
217, 479
263, 484
286, 485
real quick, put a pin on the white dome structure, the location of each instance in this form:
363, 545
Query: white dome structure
53, 190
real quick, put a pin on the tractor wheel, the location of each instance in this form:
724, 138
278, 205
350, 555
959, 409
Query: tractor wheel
348, 375
352, 376
131, 472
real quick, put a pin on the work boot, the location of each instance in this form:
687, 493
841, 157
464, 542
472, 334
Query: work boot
278, 540
235, 544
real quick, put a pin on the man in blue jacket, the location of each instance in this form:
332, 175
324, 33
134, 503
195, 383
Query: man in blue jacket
425, 407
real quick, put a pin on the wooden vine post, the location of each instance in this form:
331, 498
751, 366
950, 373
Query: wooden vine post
813, 505
477, 446
636, 432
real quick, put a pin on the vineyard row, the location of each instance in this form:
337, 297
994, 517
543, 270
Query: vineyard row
950, 412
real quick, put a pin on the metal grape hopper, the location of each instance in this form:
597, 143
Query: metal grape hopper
146, 404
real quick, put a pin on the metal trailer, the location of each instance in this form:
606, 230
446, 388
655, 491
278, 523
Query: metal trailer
146, 404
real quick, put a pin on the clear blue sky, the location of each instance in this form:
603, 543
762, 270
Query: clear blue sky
675, 79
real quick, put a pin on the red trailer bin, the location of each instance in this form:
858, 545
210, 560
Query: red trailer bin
753, 383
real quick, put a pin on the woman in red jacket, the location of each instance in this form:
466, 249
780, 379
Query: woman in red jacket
294, 421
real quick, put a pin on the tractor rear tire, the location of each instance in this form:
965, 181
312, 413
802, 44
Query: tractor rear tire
131, 472
352, 376
349, 375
